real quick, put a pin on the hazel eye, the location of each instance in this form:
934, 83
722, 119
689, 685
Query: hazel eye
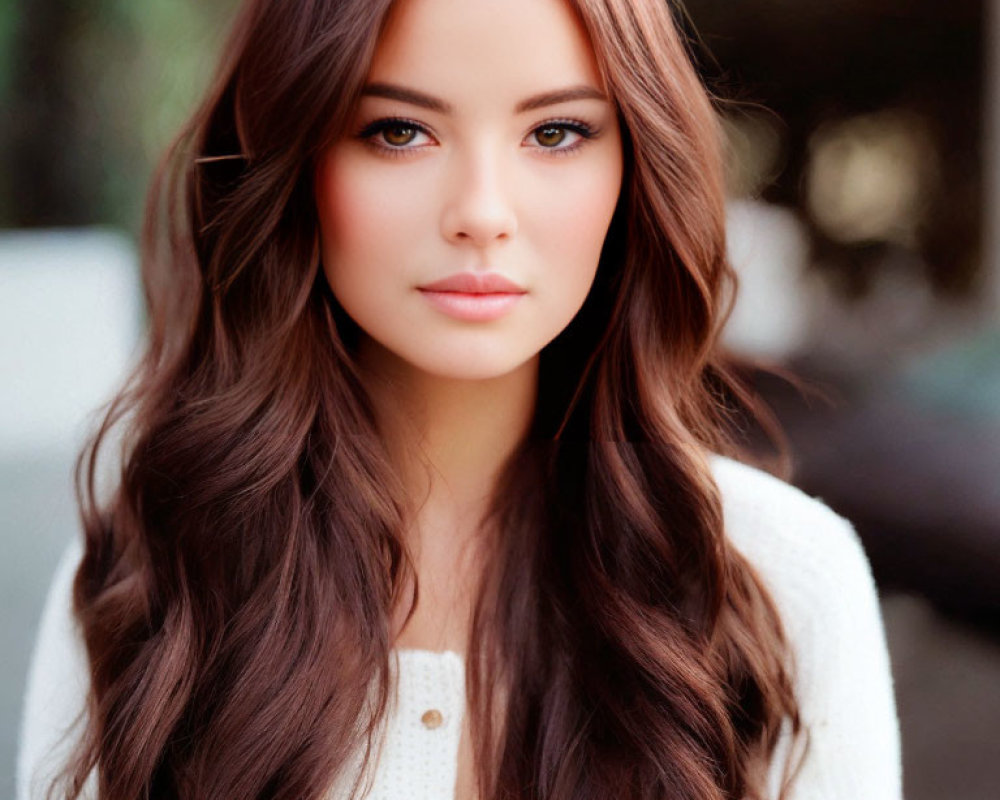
550, 135
393, 136
399, 134
562, 137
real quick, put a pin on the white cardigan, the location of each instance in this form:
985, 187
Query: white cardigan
809, 558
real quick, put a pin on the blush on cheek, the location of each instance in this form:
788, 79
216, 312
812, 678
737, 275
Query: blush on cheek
368, 207
344, 207
582, 202
581, 226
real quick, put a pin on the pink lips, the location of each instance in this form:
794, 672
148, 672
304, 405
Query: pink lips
473, 296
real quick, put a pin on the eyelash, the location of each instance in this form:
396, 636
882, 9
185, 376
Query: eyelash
370, 131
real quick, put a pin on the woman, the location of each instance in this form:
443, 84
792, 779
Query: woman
420, 491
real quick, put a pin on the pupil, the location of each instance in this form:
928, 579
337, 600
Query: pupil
399, 134
550, 136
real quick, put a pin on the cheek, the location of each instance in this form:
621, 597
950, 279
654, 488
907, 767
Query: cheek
572, 224
364, 219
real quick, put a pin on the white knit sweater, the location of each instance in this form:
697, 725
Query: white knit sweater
809, 558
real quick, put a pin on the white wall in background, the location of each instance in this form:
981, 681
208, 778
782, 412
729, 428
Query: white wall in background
70, 316
769, 250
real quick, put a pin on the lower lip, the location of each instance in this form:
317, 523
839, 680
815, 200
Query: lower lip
473, 307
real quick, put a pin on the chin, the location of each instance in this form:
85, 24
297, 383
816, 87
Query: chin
470, 368
451, 356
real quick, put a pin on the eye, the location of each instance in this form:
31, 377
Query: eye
552, 136
396, 136
393, 136
399, 134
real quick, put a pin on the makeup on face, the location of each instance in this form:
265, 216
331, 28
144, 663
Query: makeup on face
473, 296
463, 214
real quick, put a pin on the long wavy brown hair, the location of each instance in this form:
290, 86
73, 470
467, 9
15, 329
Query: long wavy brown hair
240, 578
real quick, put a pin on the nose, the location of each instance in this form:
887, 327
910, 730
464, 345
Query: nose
479, 209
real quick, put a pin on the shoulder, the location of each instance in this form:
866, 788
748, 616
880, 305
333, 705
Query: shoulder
757, 504
796, 542
813, 565
58, 680
809, 557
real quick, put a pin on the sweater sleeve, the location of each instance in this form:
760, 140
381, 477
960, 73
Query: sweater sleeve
812, 562
55, 698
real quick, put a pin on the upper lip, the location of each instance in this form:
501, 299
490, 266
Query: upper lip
474, 283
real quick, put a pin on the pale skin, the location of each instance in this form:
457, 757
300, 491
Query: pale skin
479, 183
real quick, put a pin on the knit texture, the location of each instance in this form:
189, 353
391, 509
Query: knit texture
809, 558
419, 761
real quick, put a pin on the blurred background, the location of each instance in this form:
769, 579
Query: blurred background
864, 153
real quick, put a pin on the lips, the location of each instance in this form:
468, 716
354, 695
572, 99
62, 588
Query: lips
473, 296
474, 283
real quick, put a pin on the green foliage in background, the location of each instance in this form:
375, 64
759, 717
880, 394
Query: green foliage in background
163, 54
127, 75
8, 19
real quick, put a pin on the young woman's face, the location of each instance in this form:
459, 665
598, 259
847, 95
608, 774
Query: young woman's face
484, 149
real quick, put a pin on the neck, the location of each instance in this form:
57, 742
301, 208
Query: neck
448, 438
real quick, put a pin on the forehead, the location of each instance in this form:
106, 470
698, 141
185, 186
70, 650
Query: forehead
484, 50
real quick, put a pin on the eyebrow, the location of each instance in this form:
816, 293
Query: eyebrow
393, 92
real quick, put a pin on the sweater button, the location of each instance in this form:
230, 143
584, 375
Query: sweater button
432, 718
